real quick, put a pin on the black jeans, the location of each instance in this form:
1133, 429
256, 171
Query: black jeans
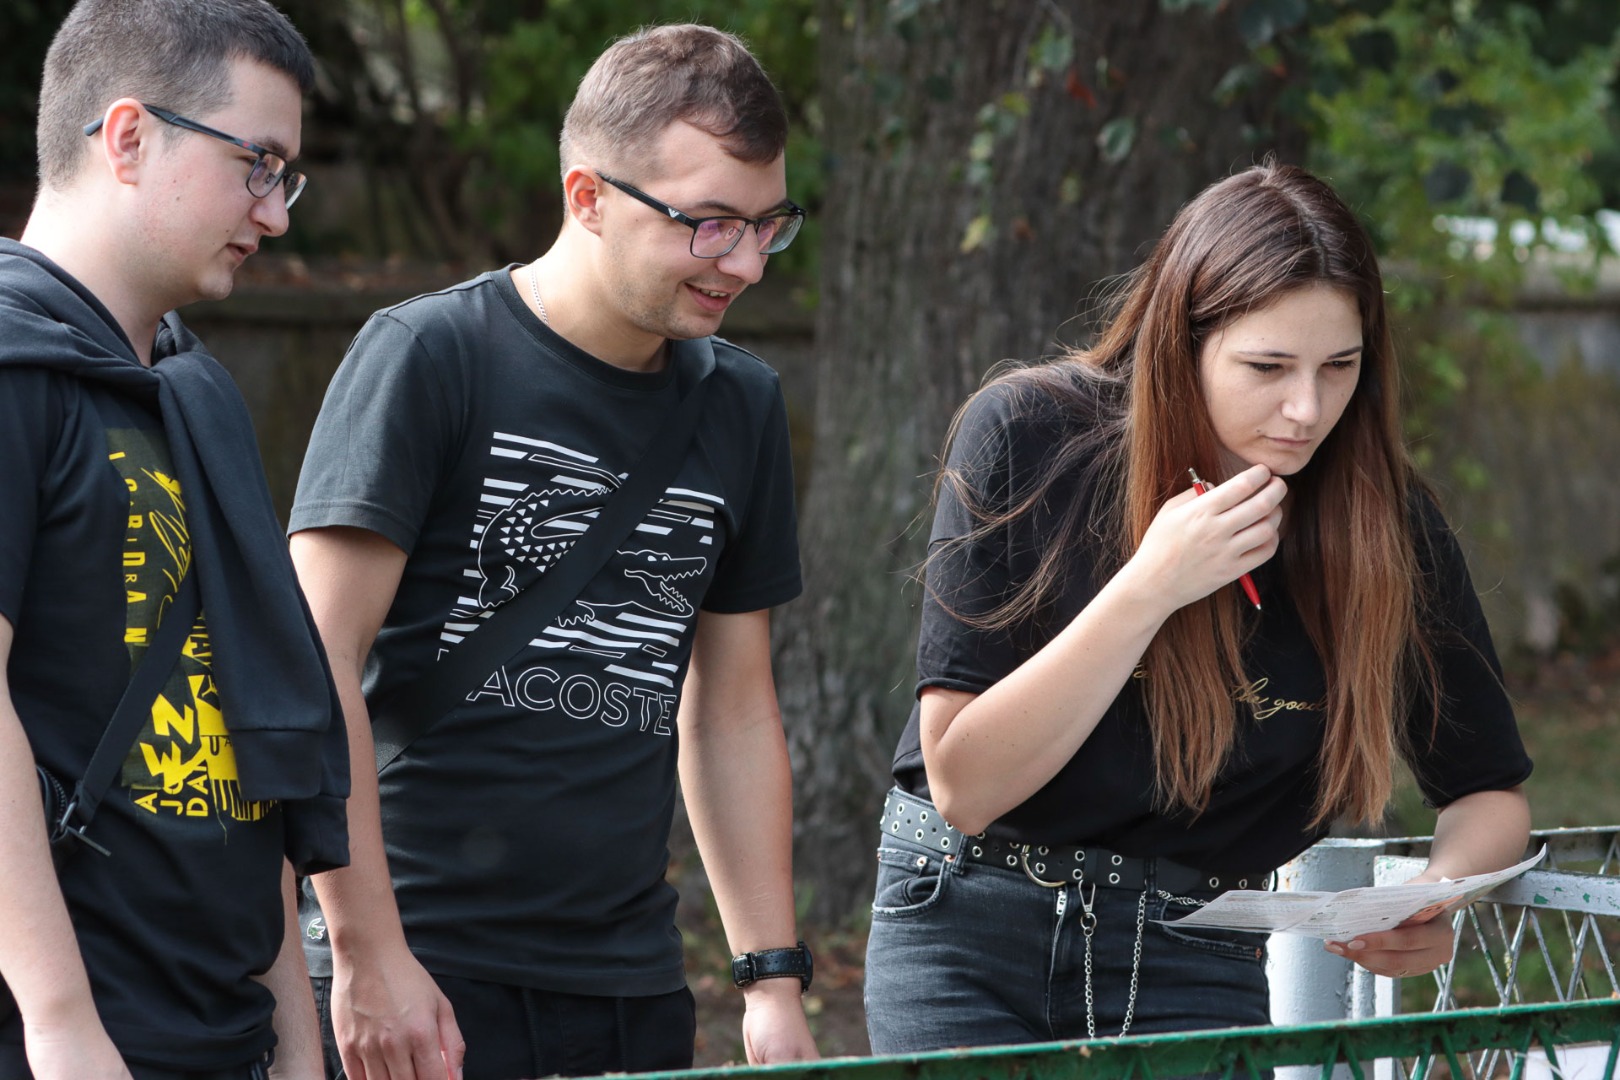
514, 1032
968, 953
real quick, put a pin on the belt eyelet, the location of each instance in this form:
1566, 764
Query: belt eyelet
922, 816
1044, 850
919, 834
922, 860
1113, 879
944, 841
1214, 882
1077, 874
1118, 859
977, 851
1012, 860
1243, 883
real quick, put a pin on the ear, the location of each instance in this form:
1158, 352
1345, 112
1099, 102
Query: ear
582, 191
126, 140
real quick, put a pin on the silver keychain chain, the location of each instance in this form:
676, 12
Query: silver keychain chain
1088, 927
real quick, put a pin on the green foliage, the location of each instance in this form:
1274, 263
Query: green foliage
1425, 110
1466, 134
1116, 139
463, 101
532, 65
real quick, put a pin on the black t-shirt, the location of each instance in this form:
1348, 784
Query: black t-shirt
93, 543
527, 832
1264, 798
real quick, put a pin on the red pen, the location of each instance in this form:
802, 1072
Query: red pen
1246, 581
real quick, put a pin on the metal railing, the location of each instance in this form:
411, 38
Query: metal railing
1454, 1040
1544, 937
1547, 935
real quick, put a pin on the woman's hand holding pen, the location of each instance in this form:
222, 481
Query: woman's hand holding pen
1198, 544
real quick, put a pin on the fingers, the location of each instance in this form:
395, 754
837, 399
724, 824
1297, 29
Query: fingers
1248, 484
1249, 507
1400, 953
451, 1043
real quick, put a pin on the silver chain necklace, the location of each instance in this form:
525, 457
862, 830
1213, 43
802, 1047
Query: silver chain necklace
534, 291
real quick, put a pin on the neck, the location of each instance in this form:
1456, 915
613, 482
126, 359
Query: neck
577, 310
74, 236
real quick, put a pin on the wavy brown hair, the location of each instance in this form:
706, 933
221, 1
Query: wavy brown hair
1136, 419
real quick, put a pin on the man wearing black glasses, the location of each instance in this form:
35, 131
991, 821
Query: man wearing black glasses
164, 695
468, 443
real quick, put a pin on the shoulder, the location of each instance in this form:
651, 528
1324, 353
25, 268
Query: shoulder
1446, 596
739, 367
434, 314
1036, 406
437, 331
745, 395
32, 398
1434, 541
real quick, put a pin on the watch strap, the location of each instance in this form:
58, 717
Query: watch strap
749, 967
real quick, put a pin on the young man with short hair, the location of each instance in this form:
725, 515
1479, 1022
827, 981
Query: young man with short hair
468, 441
163, 947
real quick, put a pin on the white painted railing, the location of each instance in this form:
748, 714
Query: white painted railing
1544, 937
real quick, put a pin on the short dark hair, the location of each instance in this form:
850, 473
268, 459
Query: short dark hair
173, 53
650, 79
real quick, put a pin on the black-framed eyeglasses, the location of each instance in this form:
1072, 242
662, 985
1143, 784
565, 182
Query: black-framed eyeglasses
713, 237
269, 167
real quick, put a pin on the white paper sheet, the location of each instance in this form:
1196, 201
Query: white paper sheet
1343, 915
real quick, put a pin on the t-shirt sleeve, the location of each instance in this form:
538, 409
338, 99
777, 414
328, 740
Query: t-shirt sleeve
380, 444
967, 577
760, 566
25, 416
1475, 745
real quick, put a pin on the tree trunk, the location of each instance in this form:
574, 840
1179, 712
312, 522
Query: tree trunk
990, 162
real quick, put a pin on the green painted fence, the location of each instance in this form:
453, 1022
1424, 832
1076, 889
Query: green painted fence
1426, 1045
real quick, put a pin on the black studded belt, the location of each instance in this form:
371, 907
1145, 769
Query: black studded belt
915, 823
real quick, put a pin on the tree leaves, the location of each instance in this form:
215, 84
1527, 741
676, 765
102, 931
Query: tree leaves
1116, 138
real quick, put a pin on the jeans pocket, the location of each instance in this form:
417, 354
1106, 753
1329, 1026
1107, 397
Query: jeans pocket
909, 883
1236, 944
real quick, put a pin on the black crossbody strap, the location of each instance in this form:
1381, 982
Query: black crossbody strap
405, 714
133, 713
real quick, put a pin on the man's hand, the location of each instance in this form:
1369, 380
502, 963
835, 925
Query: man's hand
1412, 949
73, 1051
392, 1022
774, 1027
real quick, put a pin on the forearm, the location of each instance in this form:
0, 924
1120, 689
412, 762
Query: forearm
350, 577
298, 1033
357, 901
739, 798
1478, 833
39, 952
1007, 742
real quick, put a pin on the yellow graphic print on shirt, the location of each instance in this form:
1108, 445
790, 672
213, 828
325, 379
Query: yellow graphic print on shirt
182, 765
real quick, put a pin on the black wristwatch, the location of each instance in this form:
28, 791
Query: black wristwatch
750, 967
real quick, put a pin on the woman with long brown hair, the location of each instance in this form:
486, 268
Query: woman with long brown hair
1133, 696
